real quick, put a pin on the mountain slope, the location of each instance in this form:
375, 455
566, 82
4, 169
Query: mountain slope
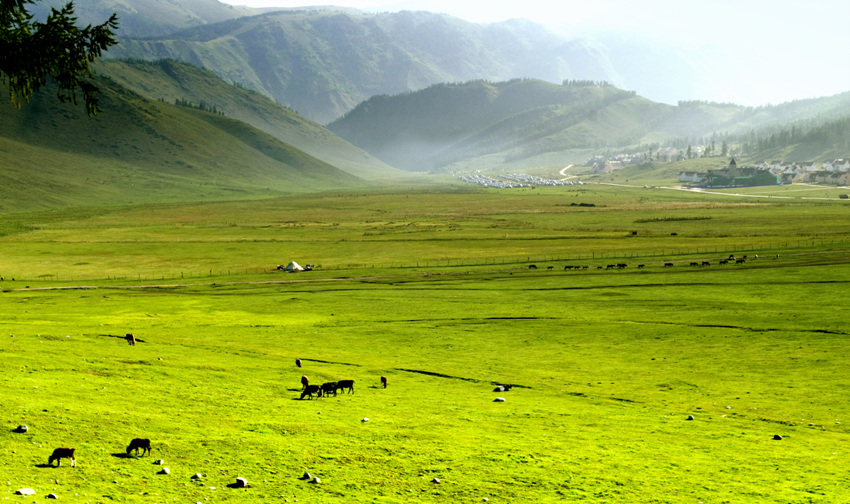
517, 119
148, 18
139, 151
170, 81
322, 63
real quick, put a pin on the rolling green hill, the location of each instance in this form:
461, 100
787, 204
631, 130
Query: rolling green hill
516, 120
171, 81
139, 151
521, 123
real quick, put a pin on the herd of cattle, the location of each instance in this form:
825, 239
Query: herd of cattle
737, 260
327, 388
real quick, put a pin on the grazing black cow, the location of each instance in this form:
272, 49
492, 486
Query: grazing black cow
723, 262
309, 390
304, 382
694, 264
327, 388
345, 384
641, 265
621, 265
706, 263
131, 340
532, 266
739, 261
384, 381
610, 266
550, 267
144, 444
298, 362
668, 264
567, 268
60, 453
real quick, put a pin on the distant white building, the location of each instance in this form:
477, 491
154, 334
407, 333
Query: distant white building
691, 176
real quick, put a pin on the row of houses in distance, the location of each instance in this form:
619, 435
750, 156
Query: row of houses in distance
771, 173
605, 164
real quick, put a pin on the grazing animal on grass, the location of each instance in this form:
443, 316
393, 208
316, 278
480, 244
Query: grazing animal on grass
144, 444
739, 261
532, 266
60, 453
298, 362
668, 264
309, 390
304, 382
706, 263
131, 340
384, 381
724, 262
327, 388
345, 384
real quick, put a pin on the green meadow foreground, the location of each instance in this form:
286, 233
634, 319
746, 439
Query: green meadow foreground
432, 289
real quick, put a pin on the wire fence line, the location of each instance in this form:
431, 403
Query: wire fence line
584, 258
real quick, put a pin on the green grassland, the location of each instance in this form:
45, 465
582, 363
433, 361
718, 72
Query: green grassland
431, 288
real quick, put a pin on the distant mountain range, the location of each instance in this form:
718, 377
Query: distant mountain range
323, 61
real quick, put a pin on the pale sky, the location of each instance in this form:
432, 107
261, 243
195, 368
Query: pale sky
794, 48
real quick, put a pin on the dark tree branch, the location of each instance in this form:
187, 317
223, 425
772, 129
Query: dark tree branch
32, 52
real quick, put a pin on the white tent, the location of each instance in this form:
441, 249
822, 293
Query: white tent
293, 266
